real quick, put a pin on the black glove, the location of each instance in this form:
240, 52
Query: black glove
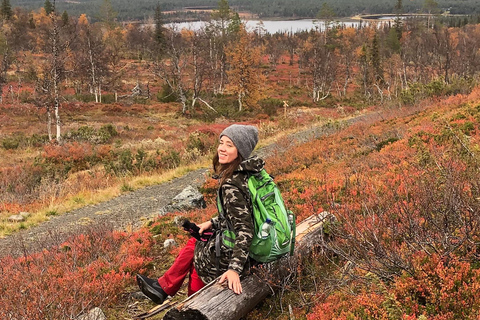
193, 229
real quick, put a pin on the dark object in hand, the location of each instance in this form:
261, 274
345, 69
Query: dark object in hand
193, 229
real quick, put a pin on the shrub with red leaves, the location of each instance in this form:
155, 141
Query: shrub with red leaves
62, 283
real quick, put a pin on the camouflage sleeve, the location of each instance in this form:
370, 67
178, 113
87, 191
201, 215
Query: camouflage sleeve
214, 222
237, 210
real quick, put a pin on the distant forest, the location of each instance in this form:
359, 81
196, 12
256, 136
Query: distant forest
143, 9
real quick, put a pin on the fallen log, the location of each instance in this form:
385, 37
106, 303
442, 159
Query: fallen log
217, 302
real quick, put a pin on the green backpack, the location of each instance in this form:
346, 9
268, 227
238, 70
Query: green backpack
274, 225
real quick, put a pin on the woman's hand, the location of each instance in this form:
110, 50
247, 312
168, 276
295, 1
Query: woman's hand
233, 281
205, 226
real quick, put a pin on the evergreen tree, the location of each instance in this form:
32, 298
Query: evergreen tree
220, 27
393, 40
6, 8
397, 23
365, 72
159, 30
235, 24
48, 6
31, 22
107, 14
222, 16
375, 60
399, 7
430, 7
326, 12
65, 18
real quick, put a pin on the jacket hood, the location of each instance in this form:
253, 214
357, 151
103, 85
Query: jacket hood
253, 164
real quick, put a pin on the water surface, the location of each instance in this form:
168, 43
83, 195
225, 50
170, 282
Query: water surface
268, 26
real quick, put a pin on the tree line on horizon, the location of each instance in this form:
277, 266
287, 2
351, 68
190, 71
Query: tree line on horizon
262, 8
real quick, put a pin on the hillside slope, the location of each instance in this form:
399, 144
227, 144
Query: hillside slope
406, 193
403, 184
131, 210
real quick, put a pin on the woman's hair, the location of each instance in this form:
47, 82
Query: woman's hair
225, 171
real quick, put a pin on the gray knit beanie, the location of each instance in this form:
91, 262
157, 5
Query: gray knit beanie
244, 138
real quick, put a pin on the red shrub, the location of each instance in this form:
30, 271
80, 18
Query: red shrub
74, 152
441, 288
87, 271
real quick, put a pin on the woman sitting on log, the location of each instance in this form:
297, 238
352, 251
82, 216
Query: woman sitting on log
204, 260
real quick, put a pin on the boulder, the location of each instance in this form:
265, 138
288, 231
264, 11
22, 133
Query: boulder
24, 214
189, 198
16, 218
169, 243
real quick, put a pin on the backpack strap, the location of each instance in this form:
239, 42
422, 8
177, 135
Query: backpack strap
221, 209
218, 238
293, 225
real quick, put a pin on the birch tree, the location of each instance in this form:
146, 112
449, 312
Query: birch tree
5, 62
50, 81
56, 71
223, 23
430, 7
172, 67
90, 60
200, 65
320, 62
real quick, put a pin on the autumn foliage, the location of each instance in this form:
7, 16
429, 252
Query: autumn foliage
69, 279
402, 184
404, 190
392, 152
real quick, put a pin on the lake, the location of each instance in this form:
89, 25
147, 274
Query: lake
268, 26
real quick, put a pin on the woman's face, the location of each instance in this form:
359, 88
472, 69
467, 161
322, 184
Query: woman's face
227, 152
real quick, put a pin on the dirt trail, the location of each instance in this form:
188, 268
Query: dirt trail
134, 208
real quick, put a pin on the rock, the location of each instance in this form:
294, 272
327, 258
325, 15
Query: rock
25, 214
189, 198
22, 216
94, 314
336, 205
169, 243
178, 220
138, 295
16, 218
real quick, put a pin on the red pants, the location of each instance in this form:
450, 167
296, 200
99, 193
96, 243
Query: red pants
172, 280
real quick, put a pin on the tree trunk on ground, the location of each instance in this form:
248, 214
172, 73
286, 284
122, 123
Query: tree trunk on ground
217, 302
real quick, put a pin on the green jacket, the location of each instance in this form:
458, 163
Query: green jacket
238, 210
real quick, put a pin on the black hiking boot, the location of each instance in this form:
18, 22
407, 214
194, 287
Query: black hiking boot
151, 288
